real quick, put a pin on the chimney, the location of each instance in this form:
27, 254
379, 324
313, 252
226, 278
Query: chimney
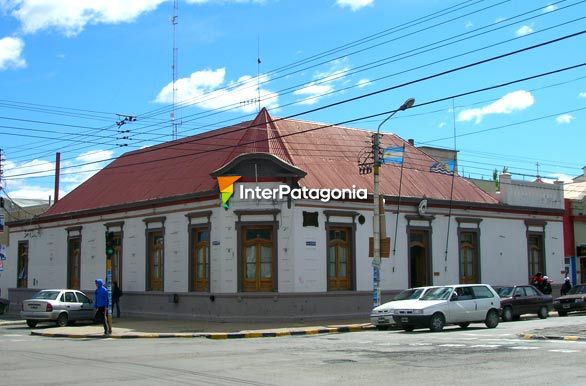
412, 143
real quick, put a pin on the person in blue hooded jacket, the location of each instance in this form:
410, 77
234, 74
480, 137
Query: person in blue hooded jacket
101, 303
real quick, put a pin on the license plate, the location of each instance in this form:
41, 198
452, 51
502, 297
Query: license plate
33, 306
404, 320
565, 306
382, 319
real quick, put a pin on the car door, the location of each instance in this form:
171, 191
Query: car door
72, 305
485, 300
520, 306
461, 307
534, 300
87, 307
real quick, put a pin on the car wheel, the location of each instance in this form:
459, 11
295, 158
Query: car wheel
507, 314
464, 325
492, 319
2, 308
437, 322
563, 313
382, 328
62, 320
31, 323
543, 312
409, 328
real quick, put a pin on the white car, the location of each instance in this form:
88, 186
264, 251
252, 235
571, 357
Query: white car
382, 316
459, 304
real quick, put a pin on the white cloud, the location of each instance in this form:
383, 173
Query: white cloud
354, 5
513, 101
525, 30
582, 94
564, 119
549, 8
71, 17
323, 82
314, 92
42, 172
441, 125
559, 177
468, 24
363, 83
207, 90
11, 53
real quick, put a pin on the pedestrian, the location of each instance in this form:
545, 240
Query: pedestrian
537, 281
566, 286
101, 303
546, 286
116, 295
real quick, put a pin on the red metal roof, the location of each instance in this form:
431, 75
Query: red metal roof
329, 155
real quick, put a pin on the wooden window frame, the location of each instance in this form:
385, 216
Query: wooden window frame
241, 249
196, 285
22, 282
429, 249
350, 228
151, 234
476, 261
71, 240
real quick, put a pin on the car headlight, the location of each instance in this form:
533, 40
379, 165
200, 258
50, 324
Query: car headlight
579, 300
556, 302
417, 312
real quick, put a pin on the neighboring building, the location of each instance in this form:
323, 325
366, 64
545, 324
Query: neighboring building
575, 229
15, 210
178, 252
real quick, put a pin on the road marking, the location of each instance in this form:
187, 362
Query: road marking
564, 351
420, 344
486, 345
13, 335
451, 345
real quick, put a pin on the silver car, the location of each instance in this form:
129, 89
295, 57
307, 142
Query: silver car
63, 306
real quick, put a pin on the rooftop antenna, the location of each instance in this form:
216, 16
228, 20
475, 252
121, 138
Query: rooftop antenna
174, 66
258, 69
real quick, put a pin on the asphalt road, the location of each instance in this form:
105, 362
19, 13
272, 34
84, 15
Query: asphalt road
475, 356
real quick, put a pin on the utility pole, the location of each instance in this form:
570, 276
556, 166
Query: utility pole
174, 66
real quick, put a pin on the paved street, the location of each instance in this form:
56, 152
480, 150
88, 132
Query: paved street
458, 357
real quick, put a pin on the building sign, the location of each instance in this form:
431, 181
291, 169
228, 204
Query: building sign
1, 223
2, 252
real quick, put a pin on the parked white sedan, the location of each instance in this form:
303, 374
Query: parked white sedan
64, 306
382, 316
459, 304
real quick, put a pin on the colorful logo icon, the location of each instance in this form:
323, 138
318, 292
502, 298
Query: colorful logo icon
226, 185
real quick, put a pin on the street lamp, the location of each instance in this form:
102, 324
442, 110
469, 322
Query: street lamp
376, 226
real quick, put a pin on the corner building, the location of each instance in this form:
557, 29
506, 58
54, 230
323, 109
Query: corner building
179, 253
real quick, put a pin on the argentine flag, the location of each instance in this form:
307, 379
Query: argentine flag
393, 155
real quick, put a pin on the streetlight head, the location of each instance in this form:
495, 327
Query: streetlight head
407, 104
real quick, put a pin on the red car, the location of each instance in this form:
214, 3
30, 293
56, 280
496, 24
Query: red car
517, 300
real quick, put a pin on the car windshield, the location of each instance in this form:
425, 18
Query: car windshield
408, 294
49, 295
505, 292
579, 289
441, 293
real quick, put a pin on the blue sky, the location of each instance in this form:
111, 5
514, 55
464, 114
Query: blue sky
67, 68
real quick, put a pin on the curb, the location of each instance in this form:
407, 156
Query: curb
11, 322
571, 338
215, 335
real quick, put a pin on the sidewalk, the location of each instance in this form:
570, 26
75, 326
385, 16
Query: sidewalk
126, 328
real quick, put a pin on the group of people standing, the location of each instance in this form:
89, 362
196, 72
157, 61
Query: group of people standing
543, 284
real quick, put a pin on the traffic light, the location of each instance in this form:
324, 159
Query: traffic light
109, 244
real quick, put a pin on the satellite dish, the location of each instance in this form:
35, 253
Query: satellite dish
422, 208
